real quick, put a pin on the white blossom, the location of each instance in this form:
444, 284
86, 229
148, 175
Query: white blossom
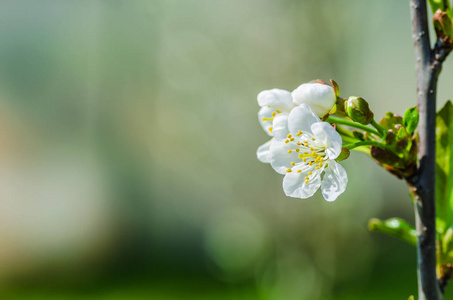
307, 156
320, 97
273, 117
276, 104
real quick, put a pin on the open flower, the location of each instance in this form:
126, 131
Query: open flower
307, 157
273, 117
276, 104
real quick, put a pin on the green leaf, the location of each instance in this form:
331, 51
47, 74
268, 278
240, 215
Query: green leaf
394, 227
439, 4
444, 163
447, 246
343, 155
390, 120
410, 119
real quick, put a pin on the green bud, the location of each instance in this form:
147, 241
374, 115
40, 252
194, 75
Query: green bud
442, 25
358, 110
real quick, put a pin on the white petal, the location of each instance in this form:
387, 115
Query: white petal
320, 97
334, 181
276, 98
280, 126
263, 153
266, 112
294, 185
301, 118
329, 137
280, 158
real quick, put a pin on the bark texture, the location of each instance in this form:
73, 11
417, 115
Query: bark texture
422, 185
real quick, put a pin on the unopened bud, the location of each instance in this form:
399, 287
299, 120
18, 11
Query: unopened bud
442, 25
358, 110
319, 96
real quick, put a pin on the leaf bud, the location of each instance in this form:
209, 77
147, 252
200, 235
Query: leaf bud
442, 25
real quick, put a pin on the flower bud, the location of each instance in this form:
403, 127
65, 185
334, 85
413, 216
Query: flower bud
319, 96
358, 110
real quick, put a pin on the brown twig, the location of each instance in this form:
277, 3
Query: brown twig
428, 66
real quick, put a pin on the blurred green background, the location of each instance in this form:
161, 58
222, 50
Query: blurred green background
128, 132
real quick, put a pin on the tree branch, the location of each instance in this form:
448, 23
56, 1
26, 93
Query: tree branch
428, 67
423, 184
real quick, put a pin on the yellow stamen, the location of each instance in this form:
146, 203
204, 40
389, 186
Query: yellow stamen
320, 164
306, 178
279, 112
289, 151
310, 163
287, 141
293, 163
268, 119
299, 171
306, 181
317, 168
309, 173
288, 171
299, 144
291, 139
312, 149
289, 136
314, 154
305, 142
273, 113
297, 150
304, 159
312, 138
270, 129
301, 155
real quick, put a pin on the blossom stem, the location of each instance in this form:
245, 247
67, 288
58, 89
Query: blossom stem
353, 124
378, 127
369, 143
348, 139
345, 133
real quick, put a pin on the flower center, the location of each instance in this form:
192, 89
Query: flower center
312, 158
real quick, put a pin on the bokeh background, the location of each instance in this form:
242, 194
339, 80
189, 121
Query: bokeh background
128, 131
